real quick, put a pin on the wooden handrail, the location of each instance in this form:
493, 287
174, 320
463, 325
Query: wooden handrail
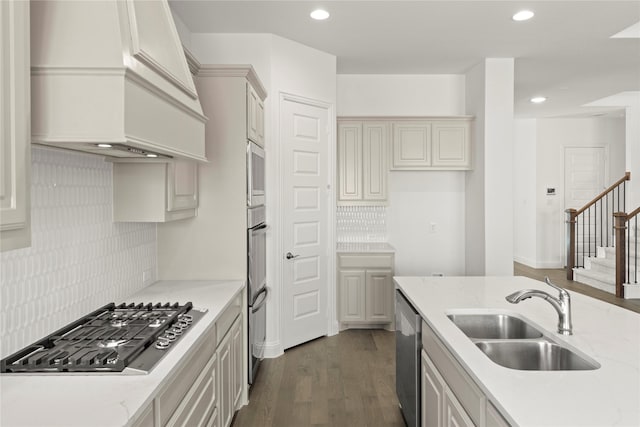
634, 213
626, 177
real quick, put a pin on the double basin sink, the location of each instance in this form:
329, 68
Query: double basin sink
514, 343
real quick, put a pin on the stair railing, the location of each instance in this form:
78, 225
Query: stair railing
591, 226
626, 265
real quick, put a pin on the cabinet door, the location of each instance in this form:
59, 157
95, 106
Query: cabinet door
182, 185
260, 120
451, 148
350, 161
238, 361
352, 294
374, 161
411, 145
379, 296
254, 110
225, 374
433, 387
454, 413
15, 126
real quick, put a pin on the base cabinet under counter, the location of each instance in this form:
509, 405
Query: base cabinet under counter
450, 397
205, 389
365, 290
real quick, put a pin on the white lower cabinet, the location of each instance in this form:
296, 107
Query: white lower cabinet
365, 289
204, 390
449, 396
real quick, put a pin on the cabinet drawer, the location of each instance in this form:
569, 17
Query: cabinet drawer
460, 383
224, 322
200, 402
365, 261
181, 383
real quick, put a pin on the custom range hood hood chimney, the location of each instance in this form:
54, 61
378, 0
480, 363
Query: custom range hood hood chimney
110, 77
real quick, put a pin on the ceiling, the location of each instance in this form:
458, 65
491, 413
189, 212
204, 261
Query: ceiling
565, 52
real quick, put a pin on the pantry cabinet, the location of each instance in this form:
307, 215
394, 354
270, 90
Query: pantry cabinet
155, 191
365, 289
430, 144
362, 162
15, 126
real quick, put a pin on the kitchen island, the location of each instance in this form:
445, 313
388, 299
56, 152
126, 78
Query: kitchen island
607, 334
112, 399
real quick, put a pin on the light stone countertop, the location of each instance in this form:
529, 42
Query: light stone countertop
364, 247
608, 396
111, 399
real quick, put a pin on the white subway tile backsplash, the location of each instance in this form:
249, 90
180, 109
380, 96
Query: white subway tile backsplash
79, 258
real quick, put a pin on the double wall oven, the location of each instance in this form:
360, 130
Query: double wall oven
257, 290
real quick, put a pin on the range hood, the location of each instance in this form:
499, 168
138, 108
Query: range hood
110, 77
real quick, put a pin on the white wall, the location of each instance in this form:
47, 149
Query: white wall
633, 152
283, 66
400, 95
416, 199
79, 259
553, 136
474, 179
524, 191
489, 188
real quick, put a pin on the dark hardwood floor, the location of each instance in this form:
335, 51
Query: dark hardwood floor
344, 380
559, 277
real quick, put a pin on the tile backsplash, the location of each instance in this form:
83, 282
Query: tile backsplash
79, 258
361, 224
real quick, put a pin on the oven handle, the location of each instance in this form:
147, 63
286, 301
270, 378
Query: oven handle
258, 306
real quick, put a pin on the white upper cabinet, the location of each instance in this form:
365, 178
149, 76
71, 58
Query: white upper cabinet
112, 72
362, 162
411, 145
15, 129
155, 191
432, 144
451, 147
255, 116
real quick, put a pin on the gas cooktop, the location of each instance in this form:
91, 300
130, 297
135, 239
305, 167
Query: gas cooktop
126, 338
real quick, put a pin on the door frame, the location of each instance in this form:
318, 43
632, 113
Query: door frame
332, 326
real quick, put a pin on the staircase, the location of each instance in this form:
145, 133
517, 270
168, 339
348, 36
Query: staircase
600, 271
603, 248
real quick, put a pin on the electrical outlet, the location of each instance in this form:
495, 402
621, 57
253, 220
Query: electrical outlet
433, 227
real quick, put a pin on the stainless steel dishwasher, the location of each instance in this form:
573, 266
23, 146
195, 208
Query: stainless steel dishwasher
408, 347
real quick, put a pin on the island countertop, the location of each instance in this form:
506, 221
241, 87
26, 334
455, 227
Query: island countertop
111, 399
608, 396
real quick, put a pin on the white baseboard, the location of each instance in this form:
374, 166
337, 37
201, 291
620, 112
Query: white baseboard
273, 349
538, 264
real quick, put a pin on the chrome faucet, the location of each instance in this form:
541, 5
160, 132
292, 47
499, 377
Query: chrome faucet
562, 304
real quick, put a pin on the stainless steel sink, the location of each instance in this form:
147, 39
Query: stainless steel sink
494, 326
514, 343
538, 355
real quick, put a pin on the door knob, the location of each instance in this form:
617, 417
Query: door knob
291, 256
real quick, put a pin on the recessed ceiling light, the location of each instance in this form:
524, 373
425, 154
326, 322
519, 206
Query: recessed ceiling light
523, 15
319, 14
151, 155
104, 145
538, 99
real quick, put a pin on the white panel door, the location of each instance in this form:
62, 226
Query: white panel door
585, 175
305, 149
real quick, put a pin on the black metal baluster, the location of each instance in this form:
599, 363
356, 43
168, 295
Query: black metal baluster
608, 215
635, 274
